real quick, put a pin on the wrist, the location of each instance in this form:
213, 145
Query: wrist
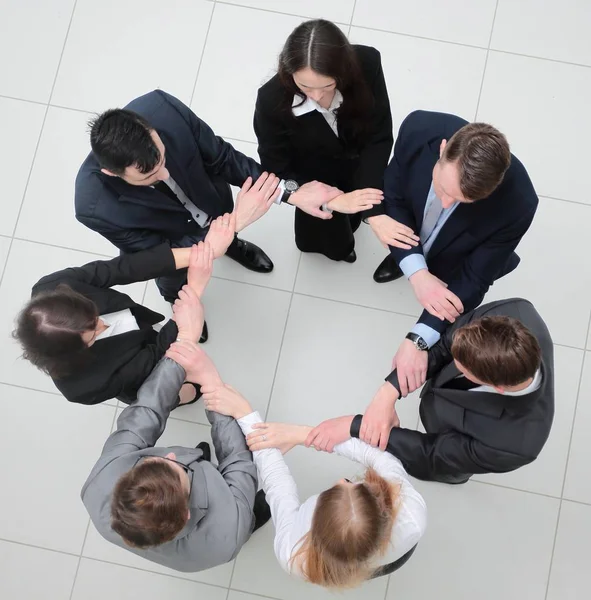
334, 203
181, 257
242, 411
391, 393
301, 434
419, 276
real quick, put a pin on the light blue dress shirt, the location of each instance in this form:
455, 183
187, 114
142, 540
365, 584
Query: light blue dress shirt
415, 262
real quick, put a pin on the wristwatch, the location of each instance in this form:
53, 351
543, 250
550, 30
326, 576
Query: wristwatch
291, 187
417, 340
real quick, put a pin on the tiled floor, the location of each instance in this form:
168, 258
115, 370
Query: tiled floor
313, 339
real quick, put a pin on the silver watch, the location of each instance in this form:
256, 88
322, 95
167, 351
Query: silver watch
418, 341
291, 187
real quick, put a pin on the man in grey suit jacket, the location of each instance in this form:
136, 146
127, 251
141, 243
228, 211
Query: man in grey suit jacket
487, 406
210, 508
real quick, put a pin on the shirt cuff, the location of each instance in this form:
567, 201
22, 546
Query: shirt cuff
427, 333
411, 264
281, 186
247, 421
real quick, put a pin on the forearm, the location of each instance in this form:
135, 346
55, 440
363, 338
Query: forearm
181, 257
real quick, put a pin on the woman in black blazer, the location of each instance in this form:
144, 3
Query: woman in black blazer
97, 343
326, 116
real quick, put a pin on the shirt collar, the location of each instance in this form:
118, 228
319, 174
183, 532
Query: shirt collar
310, 105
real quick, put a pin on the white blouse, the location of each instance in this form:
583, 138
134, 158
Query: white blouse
117, 323
293, 519
308, 105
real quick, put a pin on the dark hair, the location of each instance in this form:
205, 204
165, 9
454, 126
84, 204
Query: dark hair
483, 156
149, 506
499, 350
49, 329
323, 47
121, 138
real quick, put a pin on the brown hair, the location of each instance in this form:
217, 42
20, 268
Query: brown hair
350, 528
483, 157
50, 328
150, 505
498, 350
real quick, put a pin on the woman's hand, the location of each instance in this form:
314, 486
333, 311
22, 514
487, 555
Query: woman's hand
221, 233
188, 314
283, 436
392, 233
356, 201
224, 399
200, 267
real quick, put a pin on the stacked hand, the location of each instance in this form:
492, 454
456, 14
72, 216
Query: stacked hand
283, 436
255, 199
380, 417
330, 433
221, 233
356, 201
224, 399
312, 195
188, 314
434, 296
200, 267
411, 367
392, 233
198, 366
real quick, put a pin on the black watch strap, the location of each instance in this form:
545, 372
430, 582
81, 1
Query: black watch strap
355, 426
418, 341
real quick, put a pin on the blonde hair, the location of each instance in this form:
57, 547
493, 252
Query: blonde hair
351, 527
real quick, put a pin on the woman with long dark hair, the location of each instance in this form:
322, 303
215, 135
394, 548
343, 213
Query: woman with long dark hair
326, 116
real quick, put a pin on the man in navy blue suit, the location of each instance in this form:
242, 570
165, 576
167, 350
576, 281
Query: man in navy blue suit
456, 185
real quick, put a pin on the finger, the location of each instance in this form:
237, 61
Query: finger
398, 244
246, 185
330, 446
447, 310
433, 310
311, 438
276, 194
260, 182
320, 214
259, 426
375, 438
407, 232
455, 301
402, 237
383, 439
403, 383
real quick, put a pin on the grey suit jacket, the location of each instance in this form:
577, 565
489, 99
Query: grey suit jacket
221, 500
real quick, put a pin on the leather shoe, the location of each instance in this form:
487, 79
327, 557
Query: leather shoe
351, 258
204, 333
249, 256
387, 271
206, 449
261, 510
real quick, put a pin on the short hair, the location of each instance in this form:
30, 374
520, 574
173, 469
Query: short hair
483, 156
499, 350
121, 138
50, 327
150, 505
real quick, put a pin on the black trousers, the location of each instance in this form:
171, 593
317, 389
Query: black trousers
331, 237
394, 566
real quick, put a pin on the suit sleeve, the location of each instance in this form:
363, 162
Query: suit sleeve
122, 270
376, 152
481, 268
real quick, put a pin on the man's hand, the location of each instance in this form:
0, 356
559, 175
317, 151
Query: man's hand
224, 399
283, 436
199, 368
356, 201
411, 367
330, 433
392, 233
200, 267
221, 233
434, 296
312, 195
380, 417
188, 314
255, 199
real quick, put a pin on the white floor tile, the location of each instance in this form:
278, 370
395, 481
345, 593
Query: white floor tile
177, 433
556, 29
29, 572
546, 474
4, 246
56, 445
258, 572
333, 360
458, 21
542, 107
480, 534
29, 262
32, 35
117, 51
556, 280
246, 325
332, 10
97, 580
48, 209
570, 577
234, 595
20, 122
578, 483
433, 75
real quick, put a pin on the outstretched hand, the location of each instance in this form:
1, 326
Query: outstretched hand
224, 399
200, 267
330, 433
255, 199
221, 232
283, 436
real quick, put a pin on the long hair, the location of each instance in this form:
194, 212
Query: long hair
350, 529
324, 48
50, 328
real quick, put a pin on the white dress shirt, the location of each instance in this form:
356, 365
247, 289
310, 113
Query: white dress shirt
328, 113
117, 323
293, 520
532, 387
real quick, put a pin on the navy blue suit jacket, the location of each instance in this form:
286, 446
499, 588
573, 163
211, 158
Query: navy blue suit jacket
476, 245
140, 217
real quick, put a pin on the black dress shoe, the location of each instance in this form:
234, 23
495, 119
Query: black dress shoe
351, 258
204, 334
261, 510
387, 271
205, 448
249, 256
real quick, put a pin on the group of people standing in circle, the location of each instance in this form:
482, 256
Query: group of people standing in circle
450, 207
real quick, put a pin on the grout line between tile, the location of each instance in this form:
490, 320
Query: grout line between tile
21, 239
231, 589
79, 560
202, 53
492, 28
553, 549
9, 541
352, 15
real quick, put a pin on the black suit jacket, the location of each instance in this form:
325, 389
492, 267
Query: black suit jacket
305, 148
476, 245
118, 365
476, 432
138, 217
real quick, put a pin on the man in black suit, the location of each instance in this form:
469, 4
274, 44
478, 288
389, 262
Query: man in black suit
471, 201
488, 405
158, 174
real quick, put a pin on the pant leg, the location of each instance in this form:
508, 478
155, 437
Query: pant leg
331, 237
